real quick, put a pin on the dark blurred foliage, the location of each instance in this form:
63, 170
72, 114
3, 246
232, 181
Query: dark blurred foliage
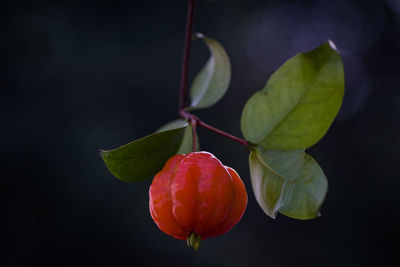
80, 76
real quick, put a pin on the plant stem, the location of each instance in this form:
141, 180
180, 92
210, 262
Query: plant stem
241, 141
186, 54
194, 120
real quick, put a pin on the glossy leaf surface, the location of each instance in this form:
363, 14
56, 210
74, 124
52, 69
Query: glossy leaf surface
143, 158
289, 182
186, 145
298, 103
212, 82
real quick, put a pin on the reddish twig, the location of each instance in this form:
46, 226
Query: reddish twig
186, 54
194, 120
241, 141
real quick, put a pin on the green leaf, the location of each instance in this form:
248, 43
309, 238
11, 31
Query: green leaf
143, 158
298, 103
186, 145
212, 81
289, 182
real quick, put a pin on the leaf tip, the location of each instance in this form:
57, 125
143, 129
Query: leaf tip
271, 214
332, 45
103, 153
199, 35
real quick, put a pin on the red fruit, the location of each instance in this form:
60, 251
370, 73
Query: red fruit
195, 197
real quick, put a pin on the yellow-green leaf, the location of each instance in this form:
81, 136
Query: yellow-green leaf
187, 141
298, 103
212, 82
143, 158
289, 182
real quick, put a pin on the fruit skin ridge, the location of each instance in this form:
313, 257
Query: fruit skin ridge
196, 193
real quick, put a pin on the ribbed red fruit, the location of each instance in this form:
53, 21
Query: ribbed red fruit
196, 195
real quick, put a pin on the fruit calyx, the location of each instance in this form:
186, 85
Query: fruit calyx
194, 241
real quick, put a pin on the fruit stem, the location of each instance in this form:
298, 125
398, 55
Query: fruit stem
193, 122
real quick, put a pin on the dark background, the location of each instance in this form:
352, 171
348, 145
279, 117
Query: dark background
80, 76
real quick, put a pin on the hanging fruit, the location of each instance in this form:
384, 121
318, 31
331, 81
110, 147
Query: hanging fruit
195, 197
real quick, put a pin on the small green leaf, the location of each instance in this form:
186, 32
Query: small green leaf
143, 158
179, 123
187, 141
289, 182
298, 103
212, 81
